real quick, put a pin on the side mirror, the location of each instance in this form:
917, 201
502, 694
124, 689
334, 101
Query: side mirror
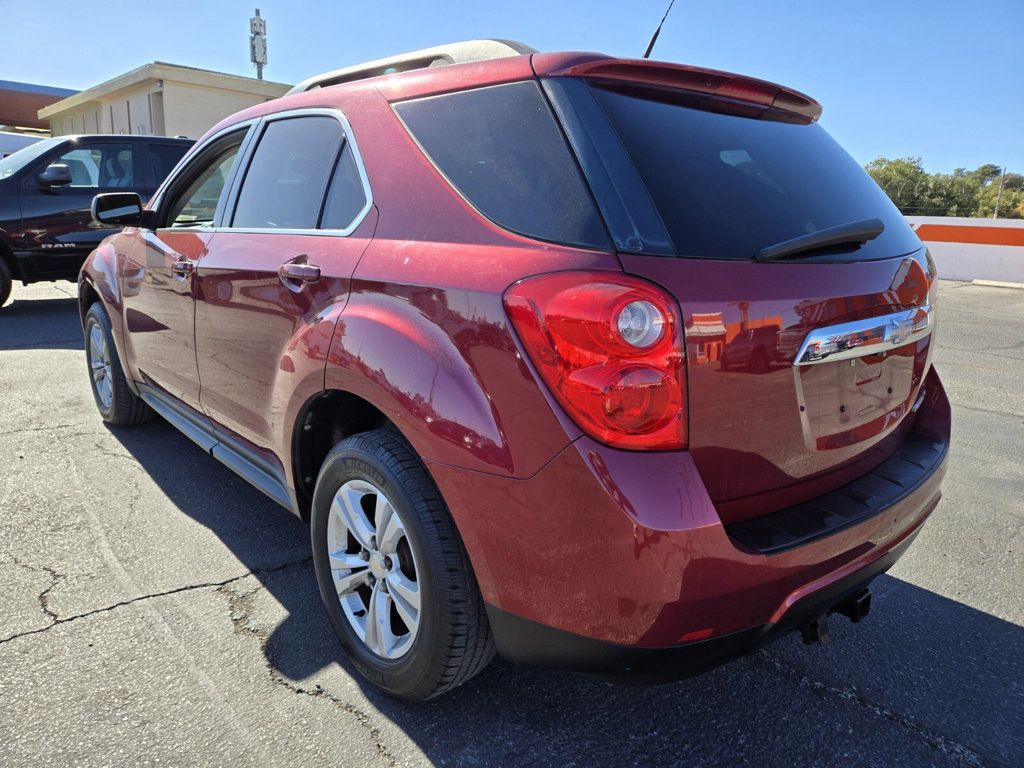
120, 209
55, 175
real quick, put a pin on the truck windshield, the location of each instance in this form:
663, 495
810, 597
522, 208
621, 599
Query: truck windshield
728, 186
18, 160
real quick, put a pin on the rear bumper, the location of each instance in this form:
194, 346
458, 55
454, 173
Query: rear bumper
618, 562
526, 642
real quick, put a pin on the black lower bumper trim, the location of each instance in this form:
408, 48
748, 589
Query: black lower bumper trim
529, 643
887, 484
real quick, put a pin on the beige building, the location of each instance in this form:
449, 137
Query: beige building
158, 98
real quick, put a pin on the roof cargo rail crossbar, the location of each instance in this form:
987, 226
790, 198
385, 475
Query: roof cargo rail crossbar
438, 56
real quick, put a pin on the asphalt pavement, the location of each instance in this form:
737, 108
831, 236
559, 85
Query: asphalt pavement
156, 610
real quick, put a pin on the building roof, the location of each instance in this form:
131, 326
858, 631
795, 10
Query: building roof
161, 70
706, 324
41, 90
20, 103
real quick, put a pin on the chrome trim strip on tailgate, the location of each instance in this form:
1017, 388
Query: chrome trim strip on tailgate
865, 337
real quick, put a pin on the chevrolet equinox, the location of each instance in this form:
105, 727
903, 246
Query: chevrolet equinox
465, 311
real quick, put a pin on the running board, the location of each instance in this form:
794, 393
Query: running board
227, 450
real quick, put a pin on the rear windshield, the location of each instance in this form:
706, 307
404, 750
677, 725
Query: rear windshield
728, 186
502, 149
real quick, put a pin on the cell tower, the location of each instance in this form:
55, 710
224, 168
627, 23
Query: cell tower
258, 43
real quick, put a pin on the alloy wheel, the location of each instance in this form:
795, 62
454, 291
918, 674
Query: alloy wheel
374, 569
99, 363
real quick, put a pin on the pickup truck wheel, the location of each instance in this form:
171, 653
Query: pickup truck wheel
393, 572
5, 282
759, 361
117, 404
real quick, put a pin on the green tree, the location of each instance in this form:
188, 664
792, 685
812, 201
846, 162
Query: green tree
904, 180
987, 172
1011, 202
960, 193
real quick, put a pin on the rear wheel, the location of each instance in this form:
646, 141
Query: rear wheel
5, 282
393, 572
117, 404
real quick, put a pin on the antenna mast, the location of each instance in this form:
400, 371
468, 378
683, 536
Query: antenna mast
258, 43
654, 37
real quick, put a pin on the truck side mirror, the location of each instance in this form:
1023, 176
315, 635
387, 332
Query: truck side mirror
55, 175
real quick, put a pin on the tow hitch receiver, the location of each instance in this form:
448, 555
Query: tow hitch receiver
854, 608
815, 631
857, 607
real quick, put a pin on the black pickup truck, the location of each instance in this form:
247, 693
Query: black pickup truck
46, 230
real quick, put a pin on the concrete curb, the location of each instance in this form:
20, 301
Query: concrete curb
998, 284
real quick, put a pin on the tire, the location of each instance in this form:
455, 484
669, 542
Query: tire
723, 363
759, 361
5, 282
117, 404
451, 640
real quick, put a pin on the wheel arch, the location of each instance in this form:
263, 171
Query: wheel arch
99, 281
7, 257
323, 421
87, 296
448, 382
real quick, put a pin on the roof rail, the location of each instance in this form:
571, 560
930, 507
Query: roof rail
438, 56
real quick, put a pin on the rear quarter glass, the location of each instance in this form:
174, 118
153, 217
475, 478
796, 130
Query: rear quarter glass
502, 149
727, 186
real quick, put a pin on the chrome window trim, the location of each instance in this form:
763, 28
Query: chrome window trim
348, 138
255, 127
870, 336
185, 164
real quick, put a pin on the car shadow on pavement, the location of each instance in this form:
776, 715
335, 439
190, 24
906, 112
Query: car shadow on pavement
923, 680
40, 323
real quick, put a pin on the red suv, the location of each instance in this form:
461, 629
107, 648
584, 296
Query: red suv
463, 310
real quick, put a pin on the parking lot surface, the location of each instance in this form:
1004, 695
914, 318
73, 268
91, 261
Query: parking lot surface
158, 610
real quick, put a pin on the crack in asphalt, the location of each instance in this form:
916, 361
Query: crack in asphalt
240, 605
987, 410
45, 428
44, 596
57, 620
944, 744
113, 454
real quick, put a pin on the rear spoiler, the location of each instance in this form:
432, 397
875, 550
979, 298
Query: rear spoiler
711, 82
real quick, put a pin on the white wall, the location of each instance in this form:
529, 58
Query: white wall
1000, 260
179, 109
193, 110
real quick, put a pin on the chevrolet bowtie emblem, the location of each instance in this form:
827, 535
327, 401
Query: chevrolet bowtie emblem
901, 329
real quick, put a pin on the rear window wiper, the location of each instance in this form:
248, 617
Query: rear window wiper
852, 233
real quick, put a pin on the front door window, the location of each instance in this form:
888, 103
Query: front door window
102, 166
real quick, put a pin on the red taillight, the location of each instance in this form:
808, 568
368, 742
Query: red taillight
610, 347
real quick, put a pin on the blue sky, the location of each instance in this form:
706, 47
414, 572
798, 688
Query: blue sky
941, 80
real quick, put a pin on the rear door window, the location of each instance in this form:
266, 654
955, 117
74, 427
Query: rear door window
727, 186
346, 197
285, 183
501, 148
